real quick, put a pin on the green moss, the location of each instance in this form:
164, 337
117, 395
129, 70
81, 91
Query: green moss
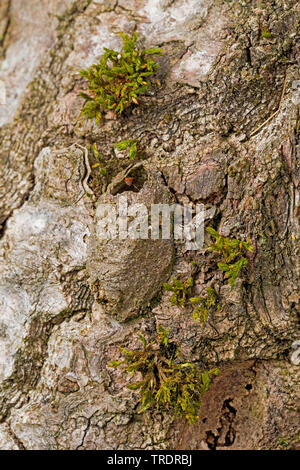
118, 78
130, 144
181, 291
204, 305
167, 382
231, 251
232, 264
286, 442
232, 172
266, 34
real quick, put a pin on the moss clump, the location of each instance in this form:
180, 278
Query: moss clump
286, 443
117, 80
266, 34
204, 305
233, 261
181, 291
166, 382
130, 144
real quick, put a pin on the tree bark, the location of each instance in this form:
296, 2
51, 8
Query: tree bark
219, 127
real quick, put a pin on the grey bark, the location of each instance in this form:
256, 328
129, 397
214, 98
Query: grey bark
220, 126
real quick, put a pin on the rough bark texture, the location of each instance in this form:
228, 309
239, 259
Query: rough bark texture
220, 126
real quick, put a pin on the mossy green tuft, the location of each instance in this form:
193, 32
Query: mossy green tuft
115, 82
166, 382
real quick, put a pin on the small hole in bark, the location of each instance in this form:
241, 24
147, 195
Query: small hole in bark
248, 387
204, 420
169, 351
134, 181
